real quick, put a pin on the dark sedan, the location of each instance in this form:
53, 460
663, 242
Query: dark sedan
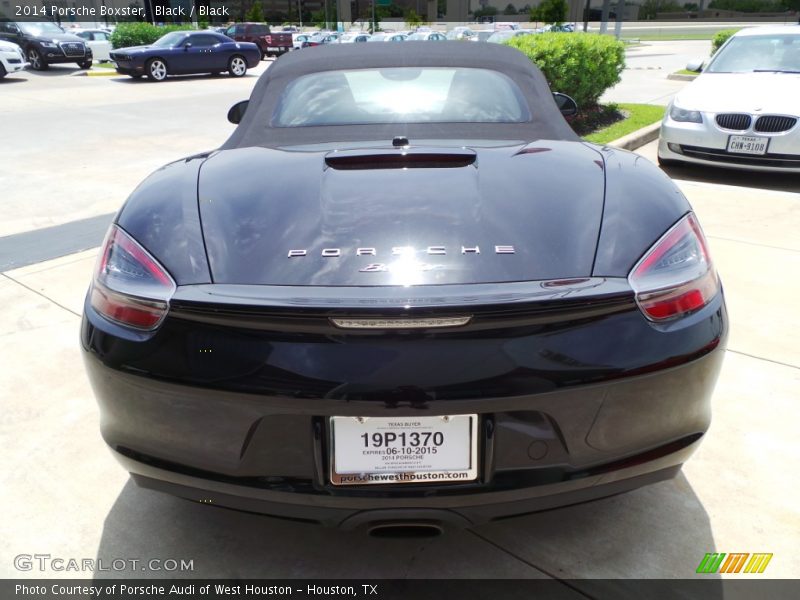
184, 53
404, 291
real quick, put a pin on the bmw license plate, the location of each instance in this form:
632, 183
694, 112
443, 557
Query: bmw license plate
368, 450
745, 144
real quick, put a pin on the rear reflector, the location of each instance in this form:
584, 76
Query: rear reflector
676, 276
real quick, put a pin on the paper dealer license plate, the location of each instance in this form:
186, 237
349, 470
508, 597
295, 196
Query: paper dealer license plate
370, 450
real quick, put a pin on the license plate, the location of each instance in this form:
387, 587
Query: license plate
272, 48
745, 144
371, 450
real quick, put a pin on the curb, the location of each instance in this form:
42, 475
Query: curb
681, 77
103, 73
638, 138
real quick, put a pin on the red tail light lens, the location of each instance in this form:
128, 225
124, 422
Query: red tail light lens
130, 287
676, 276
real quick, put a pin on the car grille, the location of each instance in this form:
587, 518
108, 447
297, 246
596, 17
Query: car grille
786, 161
73, 49
14, 61
775, 124
735, 121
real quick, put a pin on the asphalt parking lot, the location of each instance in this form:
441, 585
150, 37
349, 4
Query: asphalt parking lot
78, 145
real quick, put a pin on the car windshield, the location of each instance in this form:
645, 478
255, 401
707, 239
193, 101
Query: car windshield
171, 39
745, 54
417, 36
43, 28
401, 95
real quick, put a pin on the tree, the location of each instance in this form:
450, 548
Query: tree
510, 10
550, 11
318, 18
488, 11
256, 13
412, 18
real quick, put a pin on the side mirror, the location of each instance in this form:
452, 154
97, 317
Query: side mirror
186, 46
695, 65
565, 104
237, 111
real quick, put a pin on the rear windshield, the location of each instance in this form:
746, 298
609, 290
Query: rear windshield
403, 95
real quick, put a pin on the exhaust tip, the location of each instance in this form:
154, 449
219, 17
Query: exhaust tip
405, 529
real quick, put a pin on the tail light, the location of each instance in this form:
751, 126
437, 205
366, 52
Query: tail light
130, 287
676, 276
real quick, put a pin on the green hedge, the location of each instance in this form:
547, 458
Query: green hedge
141, 34
720, 38
581, 65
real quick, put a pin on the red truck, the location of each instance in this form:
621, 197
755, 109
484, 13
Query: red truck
271, 44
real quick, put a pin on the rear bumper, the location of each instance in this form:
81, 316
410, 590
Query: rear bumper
233, 409
348, 513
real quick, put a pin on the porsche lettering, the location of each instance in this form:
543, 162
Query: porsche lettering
398, 251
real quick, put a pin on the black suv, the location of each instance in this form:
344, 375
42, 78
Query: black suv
46, 43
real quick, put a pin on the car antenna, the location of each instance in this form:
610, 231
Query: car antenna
399, 141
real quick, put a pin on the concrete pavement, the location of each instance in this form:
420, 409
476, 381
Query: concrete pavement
647, 66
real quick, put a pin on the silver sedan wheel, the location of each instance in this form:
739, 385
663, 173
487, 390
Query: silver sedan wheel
158, 70
238, 67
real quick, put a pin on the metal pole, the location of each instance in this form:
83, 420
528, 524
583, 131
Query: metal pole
586, 15
374, 25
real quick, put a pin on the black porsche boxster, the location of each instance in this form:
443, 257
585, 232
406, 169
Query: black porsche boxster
404, 291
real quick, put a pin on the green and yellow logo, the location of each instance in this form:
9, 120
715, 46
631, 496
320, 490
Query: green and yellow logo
741, 562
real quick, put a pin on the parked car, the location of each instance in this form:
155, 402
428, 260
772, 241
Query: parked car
439, 270
12, 59
743, 111
270, 42
460, 33
482, 36
498, 37
186, 52
388, 36
320, 38
557, 28
351, 38
505, 26
98, 40
426, 36
298, 39
45, 44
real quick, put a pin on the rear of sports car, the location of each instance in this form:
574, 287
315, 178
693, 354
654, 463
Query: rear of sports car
442, 335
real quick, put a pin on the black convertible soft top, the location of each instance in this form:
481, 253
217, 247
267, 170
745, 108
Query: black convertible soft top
546, 121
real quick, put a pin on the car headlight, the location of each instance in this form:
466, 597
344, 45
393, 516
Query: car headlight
49, 44
677, 113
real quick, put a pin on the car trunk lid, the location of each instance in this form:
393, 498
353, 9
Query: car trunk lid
402, 216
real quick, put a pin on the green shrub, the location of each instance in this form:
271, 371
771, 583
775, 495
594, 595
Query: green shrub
720, 38
578, 64
141, 34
